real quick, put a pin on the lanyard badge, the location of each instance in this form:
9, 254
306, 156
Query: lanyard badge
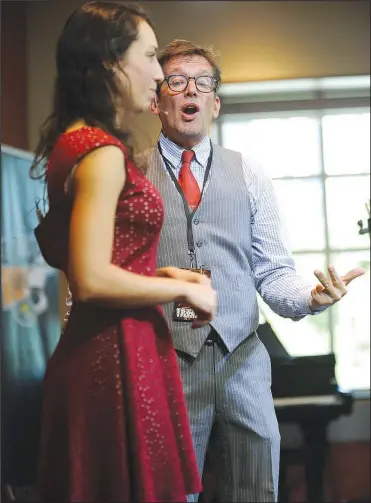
182, 312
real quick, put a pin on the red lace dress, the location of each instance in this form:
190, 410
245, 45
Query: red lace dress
115, 425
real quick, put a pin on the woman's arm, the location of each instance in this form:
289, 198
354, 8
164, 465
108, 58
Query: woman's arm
96, 187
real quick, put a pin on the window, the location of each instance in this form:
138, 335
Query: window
316, 149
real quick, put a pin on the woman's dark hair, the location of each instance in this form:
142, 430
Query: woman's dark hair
95, 37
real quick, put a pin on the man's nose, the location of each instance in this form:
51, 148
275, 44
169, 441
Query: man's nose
191, 89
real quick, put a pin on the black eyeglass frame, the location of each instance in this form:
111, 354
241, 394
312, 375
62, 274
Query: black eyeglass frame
166, 79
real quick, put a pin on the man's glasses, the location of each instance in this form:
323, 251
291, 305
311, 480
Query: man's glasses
179, 83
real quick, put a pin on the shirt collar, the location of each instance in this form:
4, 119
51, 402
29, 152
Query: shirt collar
173, 152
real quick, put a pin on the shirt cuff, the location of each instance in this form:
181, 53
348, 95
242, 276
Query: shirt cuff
304, 309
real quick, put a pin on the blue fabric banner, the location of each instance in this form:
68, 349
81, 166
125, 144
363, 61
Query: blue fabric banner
31, 323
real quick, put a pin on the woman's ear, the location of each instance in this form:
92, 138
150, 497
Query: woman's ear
110, 66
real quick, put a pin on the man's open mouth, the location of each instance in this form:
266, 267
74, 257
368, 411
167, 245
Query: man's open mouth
190, 109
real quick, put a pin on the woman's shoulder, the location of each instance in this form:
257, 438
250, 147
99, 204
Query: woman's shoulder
71, 147
81, 140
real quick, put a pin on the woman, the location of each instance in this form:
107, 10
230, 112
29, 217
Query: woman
115, 426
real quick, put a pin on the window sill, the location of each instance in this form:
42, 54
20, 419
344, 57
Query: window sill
361, 394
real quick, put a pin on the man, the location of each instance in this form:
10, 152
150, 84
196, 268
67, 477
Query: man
221, 215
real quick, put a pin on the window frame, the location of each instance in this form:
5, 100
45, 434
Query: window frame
312, 97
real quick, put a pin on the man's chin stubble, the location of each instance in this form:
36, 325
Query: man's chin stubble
188, 132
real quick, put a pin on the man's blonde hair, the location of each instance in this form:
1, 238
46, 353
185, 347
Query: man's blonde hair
185, 48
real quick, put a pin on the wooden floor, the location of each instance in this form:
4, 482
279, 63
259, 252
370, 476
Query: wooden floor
347, 479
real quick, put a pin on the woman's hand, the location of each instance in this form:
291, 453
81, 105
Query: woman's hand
183, 275
202, 300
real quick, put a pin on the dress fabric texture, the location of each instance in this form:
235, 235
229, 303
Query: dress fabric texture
115, 425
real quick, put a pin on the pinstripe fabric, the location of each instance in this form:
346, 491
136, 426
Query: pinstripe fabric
216, 227
238, 233
273, 268
173, 153
245, 440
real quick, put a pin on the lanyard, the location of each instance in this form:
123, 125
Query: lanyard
189, 214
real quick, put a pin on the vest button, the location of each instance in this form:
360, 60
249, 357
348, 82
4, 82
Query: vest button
199, 244
196, 221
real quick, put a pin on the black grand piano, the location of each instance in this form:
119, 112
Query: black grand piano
305, 392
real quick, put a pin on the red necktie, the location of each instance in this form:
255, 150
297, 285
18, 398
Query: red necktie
187, 181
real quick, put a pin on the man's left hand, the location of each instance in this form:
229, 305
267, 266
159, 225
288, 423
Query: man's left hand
331, 290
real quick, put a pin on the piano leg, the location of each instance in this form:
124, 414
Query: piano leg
283, 491
316, 446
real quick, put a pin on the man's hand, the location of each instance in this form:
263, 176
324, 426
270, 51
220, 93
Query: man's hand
331, 290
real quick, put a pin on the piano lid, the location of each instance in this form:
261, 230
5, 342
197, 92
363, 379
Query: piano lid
294, 376
270, 340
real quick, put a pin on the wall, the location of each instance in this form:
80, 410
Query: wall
257, 40
14, 118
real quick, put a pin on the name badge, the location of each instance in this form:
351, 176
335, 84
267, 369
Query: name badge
181, 311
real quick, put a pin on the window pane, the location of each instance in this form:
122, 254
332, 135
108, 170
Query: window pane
301, 205
346, 199
352, 324
284, 146
346, 143
311, 335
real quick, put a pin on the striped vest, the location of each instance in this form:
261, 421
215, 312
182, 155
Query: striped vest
222, 234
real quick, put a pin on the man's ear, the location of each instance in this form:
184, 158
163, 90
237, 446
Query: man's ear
216, 108
154, 107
